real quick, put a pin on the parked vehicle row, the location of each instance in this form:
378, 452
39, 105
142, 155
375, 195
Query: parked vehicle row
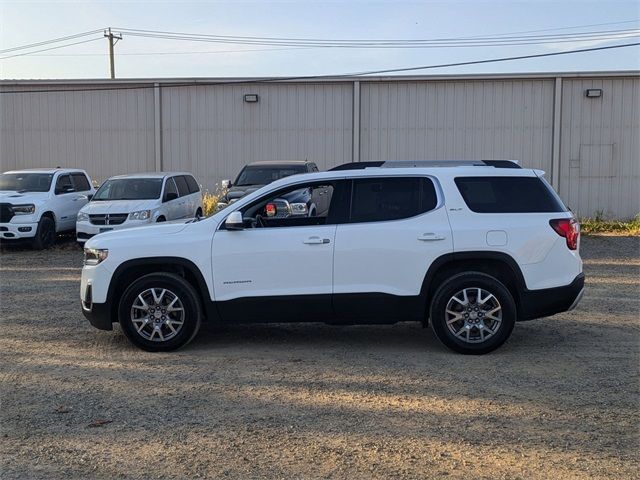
467, 247
36, 204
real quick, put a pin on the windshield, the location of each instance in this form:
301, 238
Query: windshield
263, 175
129, 189
26, 182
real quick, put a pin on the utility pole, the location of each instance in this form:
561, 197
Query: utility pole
112, 37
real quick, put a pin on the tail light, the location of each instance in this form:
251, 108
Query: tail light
569, 228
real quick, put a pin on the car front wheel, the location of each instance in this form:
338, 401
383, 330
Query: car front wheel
473, 313
160, 312
45, 234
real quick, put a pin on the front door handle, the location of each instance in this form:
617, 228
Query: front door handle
316, 241
430, 237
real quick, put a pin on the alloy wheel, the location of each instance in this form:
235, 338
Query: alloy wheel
157, 314
473, 315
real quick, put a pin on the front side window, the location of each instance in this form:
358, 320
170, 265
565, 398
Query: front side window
26, 182
392, 198
64, 185
170, 187
508, 195
302, 205
129, 189
80, 182
263, 175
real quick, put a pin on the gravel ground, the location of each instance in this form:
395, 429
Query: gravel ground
559, 400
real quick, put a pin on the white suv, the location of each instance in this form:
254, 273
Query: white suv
469, 247
37, 203
137, 200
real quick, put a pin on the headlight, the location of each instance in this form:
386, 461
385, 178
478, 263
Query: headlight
140, 215
24, 209
299, 208
83, 217
94, 256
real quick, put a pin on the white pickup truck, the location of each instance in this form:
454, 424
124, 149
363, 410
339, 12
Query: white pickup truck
37, 203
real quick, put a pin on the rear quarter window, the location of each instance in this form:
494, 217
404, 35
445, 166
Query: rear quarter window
508, 195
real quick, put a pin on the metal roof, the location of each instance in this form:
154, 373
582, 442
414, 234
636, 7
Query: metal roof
318, 79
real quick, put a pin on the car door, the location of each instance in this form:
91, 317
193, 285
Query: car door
397, 227
171, 200
65, 202
195, 196
183, 203
279, 267
83, 189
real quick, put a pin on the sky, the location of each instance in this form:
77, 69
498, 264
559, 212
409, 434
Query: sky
26, 22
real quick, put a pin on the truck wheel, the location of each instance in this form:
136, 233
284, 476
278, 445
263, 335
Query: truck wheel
198, 213
45, 234
160, 312
160, 219
473, 313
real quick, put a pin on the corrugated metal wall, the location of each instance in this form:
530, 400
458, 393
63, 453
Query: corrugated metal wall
212, 132
458, 120
104, 132
600, 147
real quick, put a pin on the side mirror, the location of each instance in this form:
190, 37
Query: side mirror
226, 184
170, 196
234, 221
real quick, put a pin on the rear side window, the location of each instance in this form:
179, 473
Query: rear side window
381, 199
508, 195
192, 184
181, 183
80, 181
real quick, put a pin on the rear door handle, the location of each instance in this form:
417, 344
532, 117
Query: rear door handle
430, 237
316, 241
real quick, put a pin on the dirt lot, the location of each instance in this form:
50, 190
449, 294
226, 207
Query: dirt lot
559, 400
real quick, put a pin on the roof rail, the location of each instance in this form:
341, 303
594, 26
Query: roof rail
427, 163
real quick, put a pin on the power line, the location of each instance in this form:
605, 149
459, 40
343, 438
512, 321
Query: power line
319, 77
54, 40
379, 43
503, 39
50, 48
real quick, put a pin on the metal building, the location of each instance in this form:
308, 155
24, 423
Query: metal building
583, 129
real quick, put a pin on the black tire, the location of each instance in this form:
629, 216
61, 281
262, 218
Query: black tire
45, 234
161, 219
198, 213
175, 285
472, 281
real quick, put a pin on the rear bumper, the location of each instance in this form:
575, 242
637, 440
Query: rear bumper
549, 301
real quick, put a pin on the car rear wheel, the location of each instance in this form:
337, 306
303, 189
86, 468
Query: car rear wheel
473, 313
45, 234
160, 312
198, 213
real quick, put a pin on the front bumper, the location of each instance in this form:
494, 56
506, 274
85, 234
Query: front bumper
98, 314
549, 301
16, 231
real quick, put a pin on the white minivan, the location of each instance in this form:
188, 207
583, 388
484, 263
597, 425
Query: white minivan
139, 199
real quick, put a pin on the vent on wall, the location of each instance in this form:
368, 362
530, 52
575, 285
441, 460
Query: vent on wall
593, 92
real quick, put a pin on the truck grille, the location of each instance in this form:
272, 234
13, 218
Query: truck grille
6, 212
108, 219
